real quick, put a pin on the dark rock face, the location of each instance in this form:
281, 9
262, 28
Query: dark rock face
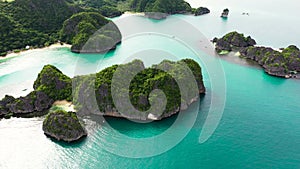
51, 85
225, 13
64, 126
201, 11
5, 104
35, 102
232, 41
284, 63
94, 92
149, 79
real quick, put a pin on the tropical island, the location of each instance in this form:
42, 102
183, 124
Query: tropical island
52, 85
27, 24
284, 62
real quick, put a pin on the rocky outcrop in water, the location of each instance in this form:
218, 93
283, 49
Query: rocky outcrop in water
233, 41
63, 126
50, 85
225, 13
282, 63
285, 63
201, 11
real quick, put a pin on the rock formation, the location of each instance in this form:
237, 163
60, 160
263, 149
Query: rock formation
233, 41
201, 11
282, 63
51, 85
64, 126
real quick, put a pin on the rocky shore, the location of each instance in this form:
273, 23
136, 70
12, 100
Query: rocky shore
283, 63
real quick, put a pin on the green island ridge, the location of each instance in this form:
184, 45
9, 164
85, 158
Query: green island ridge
26, 24
140, 87
90, 32
284, 62
52, 85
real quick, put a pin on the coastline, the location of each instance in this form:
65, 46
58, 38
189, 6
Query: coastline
53, 46
133, 13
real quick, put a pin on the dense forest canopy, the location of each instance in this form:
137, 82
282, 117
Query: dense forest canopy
164, 6
90, 32
38, 23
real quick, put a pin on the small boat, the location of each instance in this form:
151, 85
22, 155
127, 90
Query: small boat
225, 13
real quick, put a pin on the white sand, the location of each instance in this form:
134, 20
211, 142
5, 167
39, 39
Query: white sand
67, 106
56, 45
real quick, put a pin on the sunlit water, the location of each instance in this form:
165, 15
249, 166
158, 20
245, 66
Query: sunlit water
260, 125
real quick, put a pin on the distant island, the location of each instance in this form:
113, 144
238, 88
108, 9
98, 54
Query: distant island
52, 85
201, 11
284, 62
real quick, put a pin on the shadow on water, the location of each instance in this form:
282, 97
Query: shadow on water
153, 128
233, 58
73, 144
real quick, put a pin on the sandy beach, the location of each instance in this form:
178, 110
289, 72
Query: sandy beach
134, 13
64, 104
56, 45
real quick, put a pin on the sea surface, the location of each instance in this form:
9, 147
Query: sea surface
246, 120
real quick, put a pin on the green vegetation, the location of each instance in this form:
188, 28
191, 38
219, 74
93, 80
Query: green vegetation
104, 7
42, 16
38, 23
231, 41
14, 37
164, 6
63, 125
282, 63
32, 22
141, 86
78, 31
54, 83
285, 63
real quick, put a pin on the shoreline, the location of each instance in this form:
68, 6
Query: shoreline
53, 46
133, 13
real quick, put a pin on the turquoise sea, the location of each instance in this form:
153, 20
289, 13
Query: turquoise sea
258, 127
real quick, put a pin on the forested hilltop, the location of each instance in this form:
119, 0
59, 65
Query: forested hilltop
164, 6
38, 23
